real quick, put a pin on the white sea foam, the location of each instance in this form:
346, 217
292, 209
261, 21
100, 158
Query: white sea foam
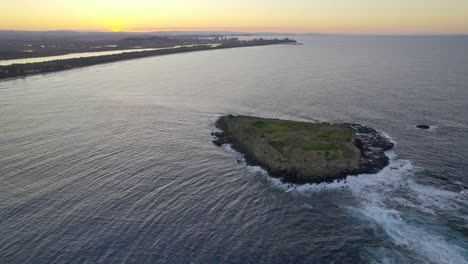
390, 175
388, 137
379, 196
381, 201
431, 197
426, 243
213, 120
215, 117
257, 170
228, 147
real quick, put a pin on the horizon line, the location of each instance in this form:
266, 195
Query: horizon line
233, 32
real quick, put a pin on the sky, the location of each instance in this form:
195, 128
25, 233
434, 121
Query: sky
295, 16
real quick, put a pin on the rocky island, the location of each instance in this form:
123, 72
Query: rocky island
302, 152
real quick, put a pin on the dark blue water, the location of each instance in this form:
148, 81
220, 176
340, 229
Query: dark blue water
114, 163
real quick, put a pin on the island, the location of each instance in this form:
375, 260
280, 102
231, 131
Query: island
303, 152
19, 70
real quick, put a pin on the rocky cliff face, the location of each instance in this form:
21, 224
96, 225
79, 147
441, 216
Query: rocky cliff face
301, 152
372, 145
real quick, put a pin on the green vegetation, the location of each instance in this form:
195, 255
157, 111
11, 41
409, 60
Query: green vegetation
284, 134
312, 150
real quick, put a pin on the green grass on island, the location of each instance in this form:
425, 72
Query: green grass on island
308, 150
284, 135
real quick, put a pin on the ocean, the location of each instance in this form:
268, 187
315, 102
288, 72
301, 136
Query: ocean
114, 163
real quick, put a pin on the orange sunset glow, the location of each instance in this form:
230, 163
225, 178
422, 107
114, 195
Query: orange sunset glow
299, 16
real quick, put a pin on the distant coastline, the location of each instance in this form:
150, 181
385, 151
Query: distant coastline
21, 70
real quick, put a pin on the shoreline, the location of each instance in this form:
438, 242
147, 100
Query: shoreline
74, 55
23, 70
82, 67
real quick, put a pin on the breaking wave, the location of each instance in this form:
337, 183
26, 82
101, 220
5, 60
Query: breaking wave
409, 213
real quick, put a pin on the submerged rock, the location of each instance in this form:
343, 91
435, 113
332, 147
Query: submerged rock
302, 152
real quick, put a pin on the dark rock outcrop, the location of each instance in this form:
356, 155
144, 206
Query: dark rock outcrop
423, 126
373, 146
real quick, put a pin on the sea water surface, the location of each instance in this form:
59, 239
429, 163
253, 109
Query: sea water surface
114, 163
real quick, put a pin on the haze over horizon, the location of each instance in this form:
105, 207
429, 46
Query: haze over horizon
294, 16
